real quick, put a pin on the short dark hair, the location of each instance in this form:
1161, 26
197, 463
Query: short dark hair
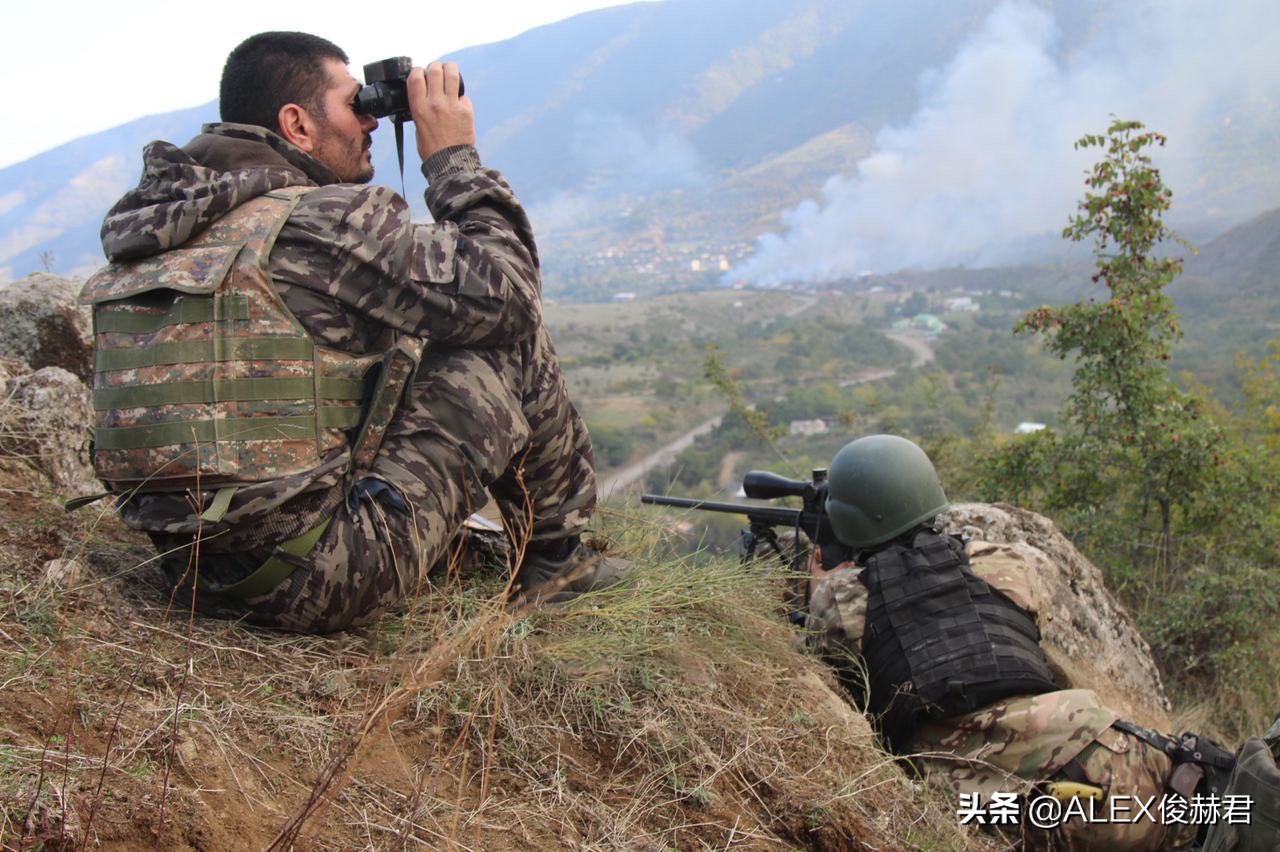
269, 70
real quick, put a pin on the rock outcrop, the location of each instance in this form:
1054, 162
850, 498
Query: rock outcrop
46, 411
1091, 640
48, 425
43, 324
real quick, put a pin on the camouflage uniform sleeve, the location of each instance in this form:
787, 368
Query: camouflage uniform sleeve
1012, 574
469, 279
838, 614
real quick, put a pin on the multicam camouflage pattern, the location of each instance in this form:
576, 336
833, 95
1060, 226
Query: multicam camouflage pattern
838, 614
1021, 742
487, 406
1005, 569
189, 348
838, 608
999, 747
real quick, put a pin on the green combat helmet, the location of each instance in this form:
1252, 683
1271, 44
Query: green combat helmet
881, 486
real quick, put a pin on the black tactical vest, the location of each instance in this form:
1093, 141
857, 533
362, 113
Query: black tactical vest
939, 641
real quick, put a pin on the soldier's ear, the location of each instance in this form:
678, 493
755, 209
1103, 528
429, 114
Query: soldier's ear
298, 127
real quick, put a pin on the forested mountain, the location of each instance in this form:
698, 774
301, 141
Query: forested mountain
866, 134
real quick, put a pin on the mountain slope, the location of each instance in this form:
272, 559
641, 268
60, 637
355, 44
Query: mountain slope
656, 133
55, 201
1245, 259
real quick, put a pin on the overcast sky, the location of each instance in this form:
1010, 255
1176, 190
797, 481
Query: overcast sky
76, 67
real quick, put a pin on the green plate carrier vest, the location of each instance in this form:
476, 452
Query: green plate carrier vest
202, 375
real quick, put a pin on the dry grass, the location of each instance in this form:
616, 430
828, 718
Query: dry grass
670, 712
17, 444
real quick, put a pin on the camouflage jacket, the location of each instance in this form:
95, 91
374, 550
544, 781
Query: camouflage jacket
349, 264
838, 610
1003, 745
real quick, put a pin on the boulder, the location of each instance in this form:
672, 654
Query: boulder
1091, 641
43, 324
48, 426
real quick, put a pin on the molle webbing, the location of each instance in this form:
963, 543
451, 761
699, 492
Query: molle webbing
939, 641
202, 375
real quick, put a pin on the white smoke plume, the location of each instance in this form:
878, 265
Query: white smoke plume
987, 161
624, 159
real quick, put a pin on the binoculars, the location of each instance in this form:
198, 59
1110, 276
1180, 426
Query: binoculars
386, 89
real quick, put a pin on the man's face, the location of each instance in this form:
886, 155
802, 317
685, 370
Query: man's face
345, 140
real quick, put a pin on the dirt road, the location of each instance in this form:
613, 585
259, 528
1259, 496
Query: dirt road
662, 457
922, 353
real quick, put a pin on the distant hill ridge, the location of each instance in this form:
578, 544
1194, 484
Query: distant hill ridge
55, 201
707, 118
1244, 259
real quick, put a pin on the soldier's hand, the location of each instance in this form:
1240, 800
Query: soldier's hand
441, 118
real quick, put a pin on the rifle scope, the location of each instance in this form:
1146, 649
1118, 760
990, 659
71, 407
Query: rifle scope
766, 485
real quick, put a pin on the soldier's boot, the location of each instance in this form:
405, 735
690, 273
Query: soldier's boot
563, 572
1256, 779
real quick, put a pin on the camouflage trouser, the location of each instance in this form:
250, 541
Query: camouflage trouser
1020, 745
496, 418
1123, 766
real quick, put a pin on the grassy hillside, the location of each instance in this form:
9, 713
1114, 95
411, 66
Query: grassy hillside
673, 711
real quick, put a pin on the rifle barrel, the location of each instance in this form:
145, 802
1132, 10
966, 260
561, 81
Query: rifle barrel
771, 515
694, 503
815, 524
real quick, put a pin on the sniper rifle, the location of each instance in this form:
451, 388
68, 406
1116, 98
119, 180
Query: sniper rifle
763, 521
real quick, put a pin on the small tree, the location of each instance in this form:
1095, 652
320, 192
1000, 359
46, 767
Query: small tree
1135, 451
